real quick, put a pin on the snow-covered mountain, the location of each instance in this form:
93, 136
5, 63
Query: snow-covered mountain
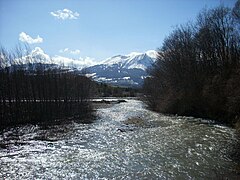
133, 60
37, 57
124, 70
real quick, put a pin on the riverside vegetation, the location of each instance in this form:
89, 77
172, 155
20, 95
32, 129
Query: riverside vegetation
33, 92
197, 72
39, 94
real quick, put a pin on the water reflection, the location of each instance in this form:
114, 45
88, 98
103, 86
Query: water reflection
162, 147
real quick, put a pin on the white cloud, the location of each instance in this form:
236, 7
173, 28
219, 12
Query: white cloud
89, 61
77, 51
67, 50
26, 38
65, 14
63, 50
79, 63
37, 55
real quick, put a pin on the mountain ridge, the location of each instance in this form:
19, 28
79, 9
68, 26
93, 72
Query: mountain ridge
120, 70
123, 70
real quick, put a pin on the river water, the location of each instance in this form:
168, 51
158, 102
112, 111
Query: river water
163, 147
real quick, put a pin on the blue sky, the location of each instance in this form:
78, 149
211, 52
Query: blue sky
95, 28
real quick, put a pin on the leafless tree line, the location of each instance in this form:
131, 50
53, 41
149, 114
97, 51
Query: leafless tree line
198, 68
40, 95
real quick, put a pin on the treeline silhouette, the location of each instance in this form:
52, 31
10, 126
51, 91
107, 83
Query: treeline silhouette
106, 90
197, 71
41, 95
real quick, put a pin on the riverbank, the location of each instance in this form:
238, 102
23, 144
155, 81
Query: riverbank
105, 102
237, 126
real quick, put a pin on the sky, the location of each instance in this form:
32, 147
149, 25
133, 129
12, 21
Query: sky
95, 29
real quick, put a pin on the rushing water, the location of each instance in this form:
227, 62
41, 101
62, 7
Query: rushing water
164, 147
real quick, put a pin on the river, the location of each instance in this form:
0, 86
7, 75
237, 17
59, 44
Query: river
162, 147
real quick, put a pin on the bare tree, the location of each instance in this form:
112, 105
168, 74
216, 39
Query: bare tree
197, 69
40, 95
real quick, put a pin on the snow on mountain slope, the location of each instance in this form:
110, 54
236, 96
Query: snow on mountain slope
37, 57
133, 60
127, 70
124, 70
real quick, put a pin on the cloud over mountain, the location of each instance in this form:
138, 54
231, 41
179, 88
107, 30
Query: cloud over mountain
28, 39
67, 50
121, 70
74, 63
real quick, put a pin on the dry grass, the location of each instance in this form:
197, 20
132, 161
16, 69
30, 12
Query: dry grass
237, 126
137, 121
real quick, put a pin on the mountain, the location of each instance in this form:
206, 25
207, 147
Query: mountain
133, 61
120, 70
123, 70
37, 58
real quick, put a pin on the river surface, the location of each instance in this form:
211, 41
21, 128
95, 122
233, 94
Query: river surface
163, 147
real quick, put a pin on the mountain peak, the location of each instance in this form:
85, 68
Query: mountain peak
125, 70
134, 54
152, 53
133, 60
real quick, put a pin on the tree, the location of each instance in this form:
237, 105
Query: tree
236, 10
41, 94
197, 68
